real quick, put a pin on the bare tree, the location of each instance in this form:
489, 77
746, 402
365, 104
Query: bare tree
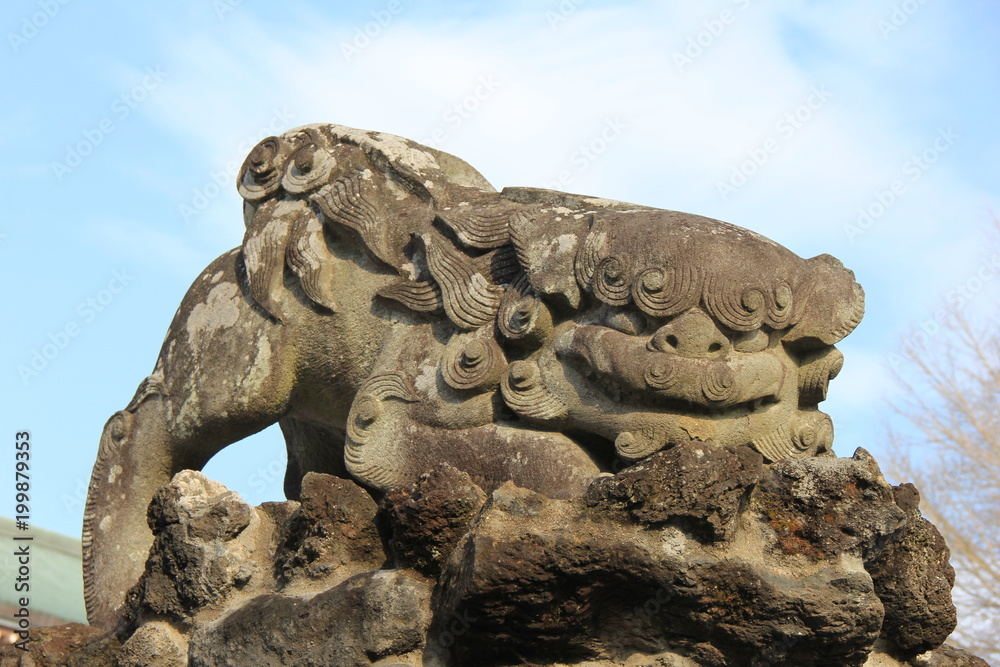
946, 440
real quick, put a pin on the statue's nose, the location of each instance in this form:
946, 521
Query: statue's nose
691, 334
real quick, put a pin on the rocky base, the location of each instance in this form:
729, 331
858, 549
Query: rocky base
697, 556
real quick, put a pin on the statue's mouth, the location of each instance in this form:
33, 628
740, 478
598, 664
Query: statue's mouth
626, 371
664, 401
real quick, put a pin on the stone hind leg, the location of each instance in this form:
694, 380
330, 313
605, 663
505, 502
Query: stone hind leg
223, 374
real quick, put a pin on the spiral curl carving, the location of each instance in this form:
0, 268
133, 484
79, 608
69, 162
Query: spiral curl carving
660, 375
260, 176
634, 446
664, 293
588, 258
739, 309
309, 168
717, 384
812, 433
612, 283
524, 392
522, 315
780, 302
365, 412
477, 365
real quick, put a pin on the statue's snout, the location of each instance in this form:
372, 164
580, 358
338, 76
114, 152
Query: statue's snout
691, 334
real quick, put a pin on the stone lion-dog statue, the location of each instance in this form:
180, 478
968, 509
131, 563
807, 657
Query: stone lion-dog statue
391, 311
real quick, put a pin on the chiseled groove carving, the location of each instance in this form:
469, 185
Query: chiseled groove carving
739, 308
369, 405
422, 296
309, 167
852, 322
116, 430
310, 259
815, 373
151, 386
633, 446
613, 281
776, 445
522, 314
264, 254
587, 259
780, 306
476, 365
262, 170
667, 292
812, 432
471, 299
524, 392
717, 384
349, 201
504, 268
477, 226
660, 375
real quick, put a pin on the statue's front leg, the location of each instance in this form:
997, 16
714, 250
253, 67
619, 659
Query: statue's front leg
389, 444
224, 373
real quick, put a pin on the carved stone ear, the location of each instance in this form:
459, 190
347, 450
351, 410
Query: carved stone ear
834, 306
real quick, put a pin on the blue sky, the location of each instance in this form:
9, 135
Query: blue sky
867, 131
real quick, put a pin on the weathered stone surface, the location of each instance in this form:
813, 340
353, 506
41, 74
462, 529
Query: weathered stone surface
332, 533
202, 552
948, 656
445, 344
542, 580
825, 507
70, 645
700, 556
392, 312
913, 578
427, 519
363, 620
155, 644
695, 486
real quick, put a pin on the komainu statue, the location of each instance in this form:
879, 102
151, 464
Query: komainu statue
391, 311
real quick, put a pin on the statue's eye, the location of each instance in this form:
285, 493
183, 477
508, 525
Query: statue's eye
751, 341
627, 322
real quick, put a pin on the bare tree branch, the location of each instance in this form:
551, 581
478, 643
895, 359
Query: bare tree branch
947, 441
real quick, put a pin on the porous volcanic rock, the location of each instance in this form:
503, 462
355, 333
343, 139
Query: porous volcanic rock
426, 520
699, 556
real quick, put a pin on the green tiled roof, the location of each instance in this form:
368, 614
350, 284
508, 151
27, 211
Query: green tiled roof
56, 572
